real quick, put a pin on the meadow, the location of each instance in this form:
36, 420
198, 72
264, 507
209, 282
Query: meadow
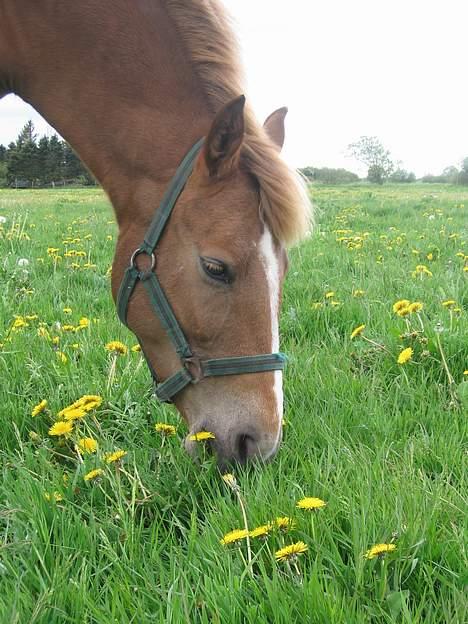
374, 322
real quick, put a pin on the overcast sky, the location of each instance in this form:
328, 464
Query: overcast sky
397, 69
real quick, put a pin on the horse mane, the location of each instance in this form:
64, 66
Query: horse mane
208, 37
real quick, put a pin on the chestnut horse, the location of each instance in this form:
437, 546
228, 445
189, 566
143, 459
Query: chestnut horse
132, 85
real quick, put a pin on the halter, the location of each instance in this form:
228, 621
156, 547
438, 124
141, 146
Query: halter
193, 368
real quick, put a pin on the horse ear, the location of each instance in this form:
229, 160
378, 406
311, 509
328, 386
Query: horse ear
274, 126
223, 142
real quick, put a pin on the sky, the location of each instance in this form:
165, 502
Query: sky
397, 69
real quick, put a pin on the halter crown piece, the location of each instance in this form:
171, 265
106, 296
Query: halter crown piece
193, 369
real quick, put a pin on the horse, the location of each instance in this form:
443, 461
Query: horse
132, 85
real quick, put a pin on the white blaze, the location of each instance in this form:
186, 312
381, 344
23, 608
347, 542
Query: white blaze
271, 266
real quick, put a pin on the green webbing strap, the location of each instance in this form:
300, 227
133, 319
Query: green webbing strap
219, 367
201, 368
165, 314
169, 199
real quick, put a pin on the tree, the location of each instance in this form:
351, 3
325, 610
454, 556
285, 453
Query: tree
463, 175
370, 151
327, 175
402, 175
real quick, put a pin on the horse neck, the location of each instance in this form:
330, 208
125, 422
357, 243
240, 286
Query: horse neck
113, 79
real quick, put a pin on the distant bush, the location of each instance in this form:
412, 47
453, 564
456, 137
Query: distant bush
327, 175
401, 175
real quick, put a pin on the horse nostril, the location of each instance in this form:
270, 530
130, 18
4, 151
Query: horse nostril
246, 447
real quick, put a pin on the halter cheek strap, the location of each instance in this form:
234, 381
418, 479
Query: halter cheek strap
193, 369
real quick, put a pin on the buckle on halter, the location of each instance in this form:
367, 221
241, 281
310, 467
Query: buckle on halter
134, 256
194, 368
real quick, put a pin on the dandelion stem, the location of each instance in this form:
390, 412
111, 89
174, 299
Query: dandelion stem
111, 376
444, 361
246, 526
376, 344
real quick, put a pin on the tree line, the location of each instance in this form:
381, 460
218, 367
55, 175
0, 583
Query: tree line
30, 162
381, 167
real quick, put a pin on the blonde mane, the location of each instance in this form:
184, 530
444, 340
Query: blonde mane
208, 36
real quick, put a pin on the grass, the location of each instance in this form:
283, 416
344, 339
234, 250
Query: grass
381, 443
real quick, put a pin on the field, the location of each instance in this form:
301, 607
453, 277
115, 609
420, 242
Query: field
381, 442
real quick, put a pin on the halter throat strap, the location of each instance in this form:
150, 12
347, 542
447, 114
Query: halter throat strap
193, 369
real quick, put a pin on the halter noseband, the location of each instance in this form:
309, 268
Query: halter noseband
193, 369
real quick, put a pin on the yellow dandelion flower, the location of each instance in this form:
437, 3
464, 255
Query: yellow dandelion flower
357, 331
284, 523
85, 403
398, 305
116, 347
416, 306
329, 294
61, 428
56, 496
449, 303
115, 456
67, 310
201, 436
358, 292
405, 355
40, 407
261, 531
68, 328
403, 311
19, 322
234, 536
291, 551
311, 502
230, 479
43, 333
430, 256
61, 356
379, 550
55, 340
83, 323
136, 348
465, 373
74, 413
165, 429
87, 445
93, 474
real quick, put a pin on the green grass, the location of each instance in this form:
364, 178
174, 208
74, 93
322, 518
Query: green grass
381, 443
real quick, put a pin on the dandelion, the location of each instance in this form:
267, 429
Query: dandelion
116, 347
449, 303
465, 373
23, 262
83, 322
201, 436
399, 305
284, 523
40, 407
136, 348
56, 496
291, 552
311, 503
379, 550
19, 323
61, 428
61, 356
86, 403
261, 531
357, 331
73, 413
93, 474
67, 310
43, 333
416, 306
405, 355
230, 480
234, 536
87, 445
115, 456
358, 292
165, 429
330, 294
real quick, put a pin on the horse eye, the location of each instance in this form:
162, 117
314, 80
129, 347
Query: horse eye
215, 269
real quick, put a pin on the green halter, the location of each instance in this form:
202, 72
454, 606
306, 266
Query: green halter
193, 369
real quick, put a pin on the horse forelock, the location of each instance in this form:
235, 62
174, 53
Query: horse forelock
206, 31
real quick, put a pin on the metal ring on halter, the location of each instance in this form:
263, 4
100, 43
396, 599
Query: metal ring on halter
139, 251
